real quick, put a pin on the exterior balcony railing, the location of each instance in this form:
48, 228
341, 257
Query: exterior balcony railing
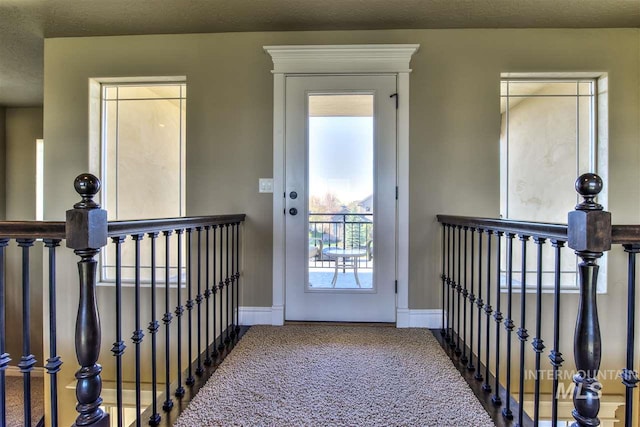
340, 230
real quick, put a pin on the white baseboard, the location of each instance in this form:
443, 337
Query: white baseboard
277, 315
255, 316
408, 318
14, 371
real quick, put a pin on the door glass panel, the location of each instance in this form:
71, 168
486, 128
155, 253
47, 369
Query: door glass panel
340, 193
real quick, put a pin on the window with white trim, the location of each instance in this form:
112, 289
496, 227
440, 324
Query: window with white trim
143, 160
548, 138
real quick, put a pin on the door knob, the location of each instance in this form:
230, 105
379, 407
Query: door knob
293, 211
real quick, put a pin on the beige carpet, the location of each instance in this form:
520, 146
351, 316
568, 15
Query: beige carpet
15, 402
307, 375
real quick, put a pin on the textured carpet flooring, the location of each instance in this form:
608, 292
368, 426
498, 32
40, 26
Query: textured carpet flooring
307, 375
14, 396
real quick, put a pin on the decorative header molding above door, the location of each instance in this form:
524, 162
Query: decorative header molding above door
374, 58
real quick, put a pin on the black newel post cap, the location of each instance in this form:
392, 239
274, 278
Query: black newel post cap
86, 226
87, 186
589, 226
589, 185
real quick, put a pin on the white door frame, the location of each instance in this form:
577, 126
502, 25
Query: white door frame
341, 59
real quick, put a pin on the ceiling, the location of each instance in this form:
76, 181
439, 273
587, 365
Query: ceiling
25, 23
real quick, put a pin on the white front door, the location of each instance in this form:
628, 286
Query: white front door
340, 191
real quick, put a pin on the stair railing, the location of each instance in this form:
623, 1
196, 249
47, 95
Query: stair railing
479, 279
210, 278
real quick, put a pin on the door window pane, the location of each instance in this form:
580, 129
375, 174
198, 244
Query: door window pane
340, 160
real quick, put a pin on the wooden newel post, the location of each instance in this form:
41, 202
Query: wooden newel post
589, 232
86, 233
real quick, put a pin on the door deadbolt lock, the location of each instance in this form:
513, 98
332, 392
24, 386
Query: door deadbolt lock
293, 195
293, 211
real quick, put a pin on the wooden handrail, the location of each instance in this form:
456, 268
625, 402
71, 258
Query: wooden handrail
533, 229
121, 228
57, 229
32, 229
625, 234
620, 234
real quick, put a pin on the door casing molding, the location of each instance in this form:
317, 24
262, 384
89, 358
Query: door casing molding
341, 59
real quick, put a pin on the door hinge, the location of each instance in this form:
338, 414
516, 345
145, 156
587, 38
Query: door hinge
396, 192
395, 95
396, 286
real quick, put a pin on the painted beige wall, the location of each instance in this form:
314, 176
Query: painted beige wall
3, 165
23, 127
455, 130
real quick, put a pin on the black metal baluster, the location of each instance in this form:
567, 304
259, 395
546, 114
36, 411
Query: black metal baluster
28, 360
179, 311
4, 357
472, 299
199, 368
509, 325
458, 289
207, 295
443, 276
227, 281
119, 347
465, 293
221, 287
53, 362
522, 330
445, 297
480, 304
233, 281
153, 330
237, 269
629, 375
497, 315
452, 284
487, 311
138, 335
166, 320
190, 379
555, 355
214, 289
538, 343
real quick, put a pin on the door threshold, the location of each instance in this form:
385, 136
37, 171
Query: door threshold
316, 323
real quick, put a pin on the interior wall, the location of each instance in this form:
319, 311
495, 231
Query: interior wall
3, 165
23, 127
454, 131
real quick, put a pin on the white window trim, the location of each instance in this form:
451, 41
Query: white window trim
601, 155
40, 179
95, 160
341, 59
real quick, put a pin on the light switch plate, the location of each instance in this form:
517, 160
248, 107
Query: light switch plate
265, 185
